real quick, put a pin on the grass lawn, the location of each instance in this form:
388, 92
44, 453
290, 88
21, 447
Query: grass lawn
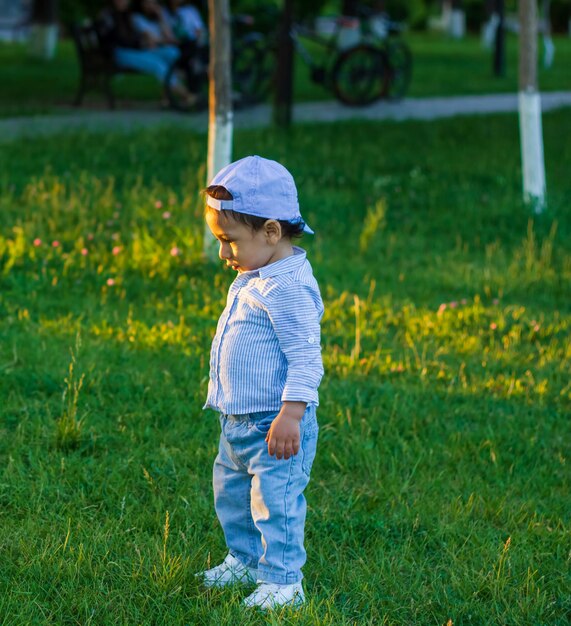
440, 490
442, 66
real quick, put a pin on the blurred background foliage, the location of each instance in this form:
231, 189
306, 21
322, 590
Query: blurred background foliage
414, 12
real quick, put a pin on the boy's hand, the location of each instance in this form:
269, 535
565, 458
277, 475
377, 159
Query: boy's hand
283, 436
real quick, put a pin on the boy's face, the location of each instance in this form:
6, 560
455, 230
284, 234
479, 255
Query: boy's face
241, 247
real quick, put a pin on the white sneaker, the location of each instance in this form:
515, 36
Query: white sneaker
273, 596
230, 572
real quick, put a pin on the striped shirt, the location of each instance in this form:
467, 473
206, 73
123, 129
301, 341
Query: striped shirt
267, 344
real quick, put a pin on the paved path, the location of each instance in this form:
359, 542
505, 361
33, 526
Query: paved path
410, 108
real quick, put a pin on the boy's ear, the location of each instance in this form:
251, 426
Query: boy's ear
273, 230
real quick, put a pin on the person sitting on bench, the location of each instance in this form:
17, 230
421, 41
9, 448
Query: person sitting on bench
133, 50
186, 22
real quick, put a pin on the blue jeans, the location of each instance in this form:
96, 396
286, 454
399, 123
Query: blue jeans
154, 61
259, 499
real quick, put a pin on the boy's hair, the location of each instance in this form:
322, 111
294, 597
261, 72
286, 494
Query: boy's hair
256, 223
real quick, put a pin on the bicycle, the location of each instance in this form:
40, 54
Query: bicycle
376, 64
378, 29
357, 75
251, 69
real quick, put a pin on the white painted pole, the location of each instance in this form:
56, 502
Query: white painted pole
531, 134
44, 31
43, 41
531, 139
457, 26
220, 120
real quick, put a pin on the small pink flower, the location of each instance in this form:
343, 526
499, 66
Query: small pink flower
536, 328
55, 243
453, 304
441, 309
166, 215
496, 301
37, 242
463, 301
158, 204
84, 251
110, 282
175, 251
90, 236
493, 325
116, 250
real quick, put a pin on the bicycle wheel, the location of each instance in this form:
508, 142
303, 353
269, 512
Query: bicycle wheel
252, 68
400, 68
360, 75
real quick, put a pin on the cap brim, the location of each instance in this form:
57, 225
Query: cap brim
307, 230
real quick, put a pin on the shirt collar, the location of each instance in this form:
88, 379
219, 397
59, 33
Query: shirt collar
283, 266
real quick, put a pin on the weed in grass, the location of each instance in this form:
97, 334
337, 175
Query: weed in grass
168, 575
374, 221
69, 425
355, 353
499, 568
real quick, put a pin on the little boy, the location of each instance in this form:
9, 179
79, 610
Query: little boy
265, 368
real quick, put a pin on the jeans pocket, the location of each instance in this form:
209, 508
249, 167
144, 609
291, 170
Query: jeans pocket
264, 423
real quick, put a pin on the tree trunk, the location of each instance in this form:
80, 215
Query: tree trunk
531, 135
220, 121
284, 82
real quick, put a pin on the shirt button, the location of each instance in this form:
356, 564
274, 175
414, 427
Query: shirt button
311, 340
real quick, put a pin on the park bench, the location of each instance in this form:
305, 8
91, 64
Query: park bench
96, 62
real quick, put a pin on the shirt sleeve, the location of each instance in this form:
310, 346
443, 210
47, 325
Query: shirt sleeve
295, 313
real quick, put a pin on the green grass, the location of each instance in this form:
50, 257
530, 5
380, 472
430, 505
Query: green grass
445, 67
440, 490
442, 66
